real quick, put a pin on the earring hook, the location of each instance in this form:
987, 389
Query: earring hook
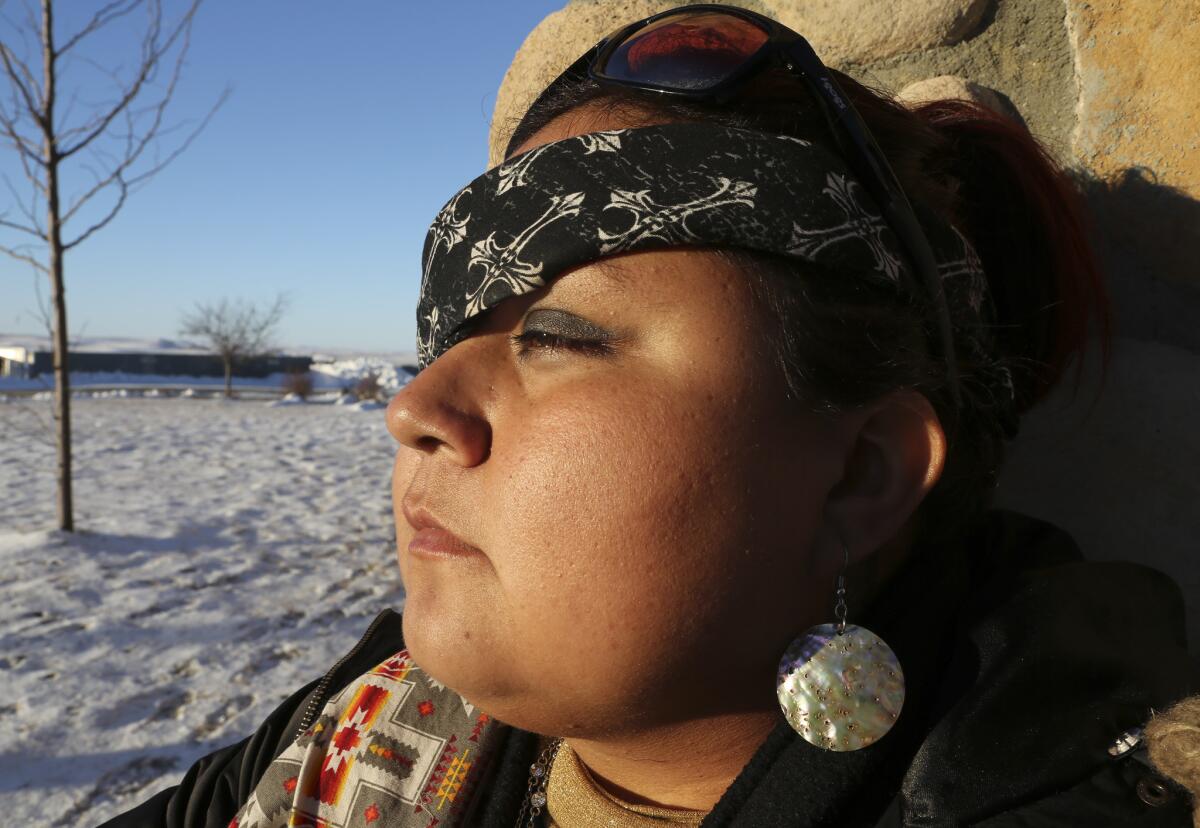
839, 609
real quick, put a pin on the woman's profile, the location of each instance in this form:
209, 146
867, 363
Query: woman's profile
692, 491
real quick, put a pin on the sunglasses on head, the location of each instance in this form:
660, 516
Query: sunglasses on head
709, 52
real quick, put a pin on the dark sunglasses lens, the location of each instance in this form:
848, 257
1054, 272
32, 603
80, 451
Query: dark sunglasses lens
686, 51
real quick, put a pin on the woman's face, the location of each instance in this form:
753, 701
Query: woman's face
646, 511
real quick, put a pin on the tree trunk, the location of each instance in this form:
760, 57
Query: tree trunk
228, 377
62, 381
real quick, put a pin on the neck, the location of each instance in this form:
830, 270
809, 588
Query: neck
687, 765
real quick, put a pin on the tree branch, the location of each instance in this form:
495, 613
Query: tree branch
23, 257
8, 124
102, 183
12, 225
107, 14
22, 80
187, 142
153, 52
28, 212
38, 184
65, 133
102, 223
133, 153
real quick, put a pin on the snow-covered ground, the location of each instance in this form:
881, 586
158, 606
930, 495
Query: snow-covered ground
229, 553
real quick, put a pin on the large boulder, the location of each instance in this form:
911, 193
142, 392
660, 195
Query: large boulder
1138, 70
842, 31
952, 87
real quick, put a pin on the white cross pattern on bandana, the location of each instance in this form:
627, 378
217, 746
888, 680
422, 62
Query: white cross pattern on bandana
668, 222
861, 225
502, 262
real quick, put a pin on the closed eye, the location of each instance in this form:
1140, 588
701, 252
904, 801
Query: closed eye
529, 341
554, 331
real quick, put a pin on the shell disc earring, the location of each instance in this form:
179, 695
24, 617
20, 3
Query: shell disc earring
839, 685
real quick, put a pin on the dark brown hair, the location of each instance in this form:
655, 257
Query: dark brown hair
842, 343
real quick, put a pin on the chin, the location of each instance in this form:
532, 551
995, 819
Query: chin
450, 649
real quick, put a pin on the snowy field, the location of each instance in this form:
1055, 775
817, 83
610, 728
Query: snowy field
230, 552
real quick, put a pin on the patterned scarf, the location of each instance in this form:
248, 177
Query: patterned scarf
520, 224
394, 749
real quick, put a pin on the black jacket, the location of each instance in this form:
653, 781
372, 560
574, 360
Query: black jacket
1024, 664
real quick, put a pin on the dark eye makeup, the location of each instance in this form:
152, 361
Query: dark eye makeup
549, 330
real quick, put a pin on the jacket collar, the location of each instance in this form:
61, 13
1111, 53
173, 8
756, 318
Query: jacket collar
1023, 664
1054, 657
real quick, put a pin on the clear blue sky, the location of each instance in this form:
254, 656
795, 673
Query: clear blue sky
348, 126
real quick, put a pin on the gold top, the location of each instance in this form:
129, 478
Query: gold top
575, 800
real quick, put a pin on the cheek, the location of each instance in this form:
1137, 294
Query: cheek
595, 493
630, 544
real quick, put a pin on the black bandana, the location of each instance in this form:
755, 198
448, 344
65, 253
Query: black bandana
520, 224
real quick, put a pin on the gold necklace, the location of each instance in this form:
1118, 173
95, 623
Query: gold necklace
561, 784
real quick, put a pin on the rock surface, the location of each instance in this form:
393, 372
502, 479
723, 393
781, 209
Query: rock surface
1021, 51
1138, 132
1138, 71
551, 47
841, 31
952, 87
846, 31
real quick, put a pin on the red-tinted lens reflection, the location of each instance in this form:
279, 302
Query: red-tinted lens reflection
689, 50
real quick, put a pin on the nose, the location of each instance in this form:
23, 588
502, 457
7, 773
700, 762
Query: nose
439, 410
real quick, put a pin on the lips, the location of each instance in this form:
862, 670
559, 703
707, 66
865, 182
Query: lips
431, 541
432, 538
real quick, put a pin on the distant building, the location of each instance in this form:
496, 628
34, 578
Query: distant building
13, 362
29, 357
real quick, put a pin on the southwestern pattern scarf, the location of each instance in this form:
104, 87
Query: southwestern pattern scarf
394, 749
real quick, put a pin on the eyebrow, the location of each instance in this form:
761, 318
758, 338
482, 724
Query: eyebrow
616, 274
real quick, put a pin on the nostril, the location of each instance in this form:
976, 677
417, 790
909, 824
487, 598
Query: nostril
427, 443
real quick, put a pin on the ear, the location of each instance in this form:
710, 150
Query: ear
895, 449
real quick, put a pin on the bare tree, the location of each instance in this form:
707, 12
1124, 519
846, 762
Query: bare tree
235, 330
114, 146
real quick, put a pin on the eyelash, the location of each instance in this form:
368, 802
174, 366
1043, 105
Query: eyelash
535, 340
